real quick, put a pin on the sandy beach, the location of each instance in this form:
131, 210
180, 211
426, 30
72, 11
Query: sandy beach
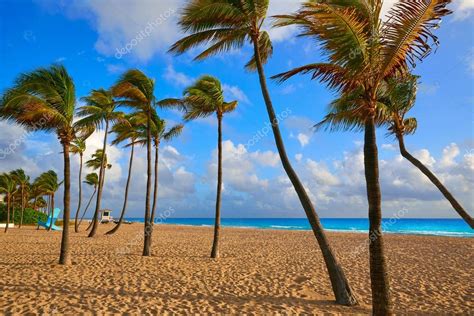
260, 271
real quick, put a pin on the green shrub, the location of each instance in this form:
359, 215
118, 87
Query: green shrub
30, 216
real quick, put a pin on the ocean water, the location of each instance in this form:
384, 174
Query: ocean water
437, 227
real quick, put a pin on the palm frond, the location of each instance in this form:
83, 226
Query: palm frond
407, 35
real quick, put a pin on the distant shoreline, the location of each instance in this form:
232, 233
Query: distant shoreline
404, 226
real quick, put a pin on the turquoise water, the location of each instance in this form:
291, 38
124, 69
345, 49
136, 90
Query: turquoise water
438, 227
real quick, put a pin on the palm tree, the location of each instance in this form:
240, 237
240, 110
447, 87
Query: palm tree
78, 147
23, 181
92, 179
49, 183
45, 100
363, 51
126, 131
204, 98
8, 186
136, 90
159, 133
226, 25
100, 109
395, 100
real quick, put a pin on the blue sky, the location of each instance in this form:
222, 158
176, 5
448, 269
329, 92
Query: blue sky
87, 36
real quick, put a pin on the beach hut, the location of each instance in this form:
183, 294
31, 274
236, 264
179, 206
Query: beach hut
106, 216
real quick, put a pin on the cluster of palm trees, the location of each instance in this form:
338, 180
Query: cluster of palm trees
19, 191
368, 65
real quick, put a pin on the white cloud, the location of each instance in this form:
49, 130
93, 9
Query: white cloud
303, 139
449, 154
177, 78
463, 10
234, 92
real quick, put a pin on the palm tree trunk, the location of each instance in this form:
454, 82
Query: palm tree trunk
381, 304
22, 204
13, 209
46, 209
454, 203
124, 208
148, 227
51, 213
76, 226
8, 212
217, 224
64, 256
87, 207
155, 189
95, 219
340, 285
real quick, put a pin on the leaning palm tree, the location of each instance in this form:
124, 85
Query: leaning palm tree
204, 98
100, 109
92, 179
78, 147
363, 51
8, 186
126, 131
45, 100
227, 25
395, 100
23, 182
136, 90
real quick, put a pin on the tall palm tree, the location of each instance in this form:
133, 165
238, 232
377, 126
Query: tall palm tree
159, 133
136, 90
23, 182
226, 25
204, 98
126, 131
395, 100
78, 147
92, 179
100, 109
45, 99
8, 186
363, 51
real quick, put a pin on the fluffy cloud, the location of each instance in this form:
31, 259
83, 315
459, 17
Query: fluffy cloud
178, 78
235, 93
464, 9
141, 29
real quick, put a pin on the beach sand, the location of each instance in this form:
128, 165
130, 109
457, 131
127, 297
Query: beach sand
260, 271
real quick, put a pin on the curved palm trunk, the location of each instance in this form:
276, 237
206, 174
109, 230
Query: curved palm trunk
217, 223
454, 203
381, 303
22, 204
340, 285
51, 212
148, 229
155, 189
64, 255
87, 207
95, 219
124, 208
76, 226
8, 212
